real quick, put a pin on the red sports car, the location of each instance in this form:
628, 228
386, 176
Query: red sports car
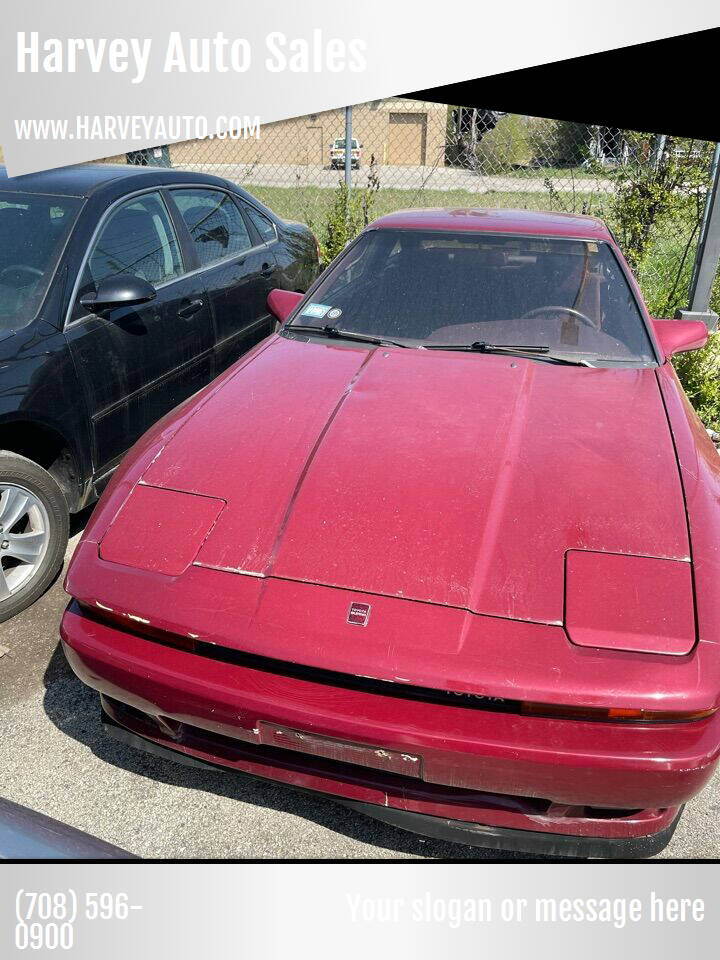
445, 548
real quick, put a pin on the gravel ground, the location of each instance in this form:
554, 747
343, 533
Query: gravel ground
55, 758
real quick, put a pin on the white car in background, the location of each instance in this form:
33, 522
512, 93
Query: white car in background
337, 153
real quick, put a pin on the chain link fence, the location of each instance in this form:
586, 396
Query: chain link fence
650, 188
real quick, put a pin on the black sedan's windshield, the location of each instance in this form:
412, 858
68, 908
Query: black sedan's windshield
435, 288
33, 231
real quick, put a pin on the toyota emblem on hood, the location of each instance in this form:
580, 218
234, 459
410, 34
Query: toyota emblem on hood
359, 614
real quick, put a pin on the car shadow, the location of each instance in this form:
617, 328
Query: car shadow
78, 521
74, 709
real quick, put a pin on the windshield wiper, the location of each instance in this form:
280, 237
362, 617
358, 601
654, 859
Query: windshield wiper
335, 333
510, 349
483, 347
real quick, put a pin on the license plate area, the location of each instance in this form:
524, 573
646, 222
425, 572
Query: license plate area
345, 751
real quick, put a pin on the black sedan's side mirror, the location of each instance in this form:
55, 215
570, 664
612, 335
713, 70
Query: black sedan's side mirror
123, 290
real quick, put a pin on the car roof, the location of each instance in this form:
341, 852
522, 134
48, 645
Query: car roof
84, 180
496, 220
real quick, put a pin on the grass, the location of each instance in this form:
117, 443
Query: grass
311, 203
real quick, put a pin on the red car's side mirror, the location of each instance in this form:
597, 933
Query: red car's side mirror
281, 303
677, 336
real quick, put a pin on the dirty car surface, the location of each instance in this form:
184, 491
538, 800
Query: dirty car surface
444, 548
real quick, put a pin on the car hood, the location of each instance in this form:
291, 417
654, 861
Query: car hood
453, 479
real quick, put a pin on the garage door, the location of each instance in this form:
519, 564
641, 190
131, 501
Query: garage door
407, 139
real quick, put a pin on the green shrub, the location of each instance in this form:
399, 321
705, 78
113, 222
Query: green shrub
699, 373
509, 144
651, 203
348, 214
566, 143
651, 197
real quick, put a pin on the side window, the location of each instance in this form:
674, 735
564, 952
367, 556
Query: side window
216, 225
137, 238
265, 227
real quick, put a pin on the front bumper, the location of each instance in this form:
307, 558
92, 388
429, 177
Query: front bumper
545, 843
611, 789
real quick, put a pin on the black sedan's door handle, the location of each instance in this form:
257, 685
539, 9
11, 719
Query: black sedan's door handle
190, 309
267, 269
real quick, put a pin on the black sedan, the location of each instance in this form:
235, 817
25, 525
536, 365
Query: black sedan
123, 291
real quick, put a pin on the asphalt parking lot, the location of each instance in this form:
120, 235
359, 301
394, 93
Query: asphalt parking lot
55, 758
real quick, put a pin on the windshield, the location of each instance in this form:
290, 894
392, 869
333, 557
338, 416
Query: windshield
340, 144
33, 231
437, 288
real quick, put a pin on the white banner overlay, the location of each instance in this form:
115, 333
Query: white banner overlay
356, 911
67, 68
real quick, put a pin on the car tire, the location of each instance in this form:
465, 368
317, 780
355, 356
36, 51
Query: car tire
34, 529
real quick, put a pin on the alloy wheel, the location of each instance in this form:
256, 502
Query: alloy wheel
24, 537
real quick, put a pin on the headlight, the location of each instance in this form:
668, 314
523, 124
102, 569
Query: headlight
619, 602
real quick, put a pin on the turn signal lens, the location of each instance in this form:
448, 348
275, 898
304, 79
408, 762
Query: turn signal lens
613, 713
138, 625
